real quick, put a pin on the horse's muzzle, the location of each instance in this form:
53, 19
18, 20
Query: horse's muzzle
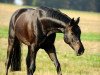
80, 51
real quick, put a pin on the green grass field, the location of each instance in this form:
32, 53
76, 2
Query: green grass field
87, 64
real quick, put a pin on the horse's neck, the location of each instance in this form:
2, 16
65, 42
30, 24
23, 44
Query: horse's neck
51, 25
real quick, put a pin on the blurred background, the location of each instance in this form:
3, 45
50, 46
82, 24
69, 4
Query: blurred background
89, 13
86, 5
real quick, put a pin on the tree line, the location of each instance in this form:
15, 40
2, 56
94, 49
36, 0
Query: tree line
84, 5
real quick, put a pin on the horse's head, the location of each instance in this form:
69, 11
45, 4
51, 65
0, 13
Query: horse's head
72, 36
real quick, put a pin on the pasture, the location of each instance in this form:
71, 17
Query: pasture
87, 64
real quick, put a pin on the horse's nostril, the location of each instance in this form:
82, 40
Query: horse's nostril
80, 52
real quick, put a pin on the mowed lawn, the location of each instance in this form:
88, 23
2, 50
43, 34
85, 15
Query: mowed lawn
87, 64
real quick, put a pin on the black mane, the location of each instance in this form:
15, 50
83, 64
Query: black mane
57, 14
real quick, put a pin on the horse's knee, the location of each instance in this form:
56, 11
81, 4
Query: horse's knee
57, 66
32, 69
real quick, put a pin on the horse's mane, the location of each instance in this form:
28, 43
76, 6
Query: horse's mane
55, 13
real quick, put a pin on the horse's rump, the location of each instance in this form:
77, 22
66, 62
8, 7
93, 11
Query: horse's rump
24, 27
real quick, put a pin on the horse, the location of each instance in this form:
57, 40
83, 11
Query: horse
37, 29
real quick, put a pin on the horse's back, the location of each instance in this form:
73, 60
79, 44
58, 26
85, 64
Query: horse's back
17, 13
23, 22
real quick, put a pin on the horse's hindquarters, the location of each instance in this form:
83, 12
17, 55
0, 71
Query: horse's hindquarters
24, 30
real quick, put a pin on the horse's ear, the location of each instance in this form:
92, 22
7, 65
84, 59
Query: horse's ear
77, 21
72, 21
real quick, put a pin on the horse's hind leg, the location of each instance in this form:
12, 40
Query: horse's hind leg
52, 54
10, 49
9, 53
30, 60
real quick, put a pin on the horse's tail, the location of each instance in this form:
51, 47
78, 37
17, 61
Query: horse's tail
16, 56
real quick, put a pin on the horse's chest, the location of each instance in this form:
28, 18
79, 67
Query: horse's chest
49, 40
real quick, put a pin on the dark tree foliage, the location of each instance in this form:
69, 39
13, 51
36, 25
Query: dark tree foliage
7, 1
88, 5
84, 5
10, 1
27, 2
51, 3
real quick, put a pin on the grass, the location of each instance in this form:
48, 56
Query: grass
85, 36
3, 32
87, 64
91, 37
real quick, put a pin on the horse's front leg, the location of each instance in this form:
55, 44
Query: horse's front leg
30, 60
52, 54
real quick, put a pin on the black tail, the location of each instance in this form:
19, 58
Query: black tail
16, 56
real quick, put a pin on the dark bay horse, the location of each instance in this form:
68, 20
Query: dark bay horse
37, 29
